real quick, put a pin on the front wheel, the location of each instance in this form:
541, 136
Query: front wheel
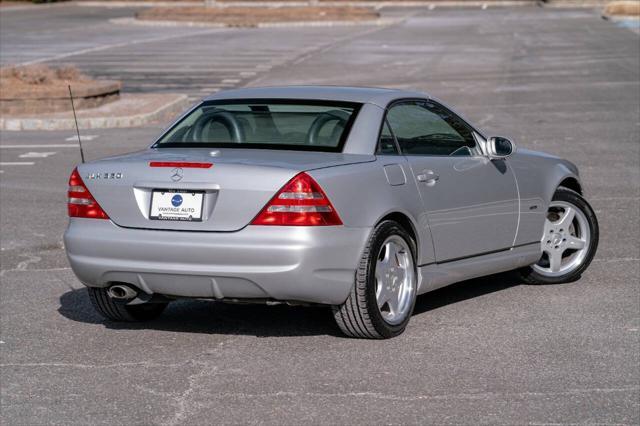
569, 240
382, 299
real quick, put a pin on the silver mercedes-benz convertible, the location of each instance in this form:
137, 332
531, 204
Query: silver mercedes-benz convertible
356, 198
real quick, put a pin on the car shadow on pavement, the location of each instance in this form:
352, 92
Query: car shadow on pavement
208, 317
198, 316
465, 290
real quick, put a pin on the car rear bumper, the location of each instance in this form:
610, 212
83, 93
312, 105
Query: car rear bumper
305, 264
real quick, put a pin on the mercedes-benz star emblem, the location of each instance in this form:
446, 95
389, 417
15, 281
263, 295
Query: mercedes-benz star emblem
176, 174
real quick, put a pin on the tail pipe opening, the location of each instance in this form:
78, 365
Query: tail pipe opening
121, 292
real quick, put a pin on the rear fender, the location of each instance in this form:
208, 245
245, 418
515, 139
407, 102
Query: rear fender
362, 196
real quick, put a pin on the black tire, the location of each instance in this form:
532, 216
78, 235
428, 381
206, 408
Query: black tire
530, 276
118, 311
359, 315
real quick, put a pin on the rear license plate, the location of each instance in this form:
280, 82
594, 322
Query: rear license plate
170, 204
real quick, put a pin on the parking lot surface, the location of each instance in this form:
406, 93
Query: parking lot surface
486, 351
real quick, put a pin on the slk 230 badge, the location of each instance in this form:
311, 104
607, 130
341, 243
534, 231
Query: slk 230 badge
106, 175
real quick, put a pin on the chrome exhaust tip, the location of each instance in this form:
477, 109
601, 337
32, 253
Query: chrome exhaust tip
121, 292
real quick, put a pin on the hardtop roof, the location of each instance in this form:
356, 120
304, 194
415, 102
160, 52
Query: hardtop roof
373, 95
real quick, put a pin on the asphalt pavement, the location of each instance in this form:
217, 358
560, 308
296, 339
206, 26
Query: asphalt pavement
182, 59
486, 351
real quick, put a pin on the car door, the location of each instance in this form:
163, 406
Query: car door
398, 175
471, 201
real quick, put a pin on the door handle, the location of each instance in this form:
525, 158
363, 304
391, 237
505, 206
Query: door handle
428, 177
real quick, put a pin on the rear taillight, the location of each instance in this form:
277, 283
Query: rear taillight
81, 203
301, 202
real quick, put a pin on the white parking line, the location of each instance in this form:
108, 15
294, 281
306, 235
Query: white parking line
83, 137
17, 163
59, 145
119, 45
32, 154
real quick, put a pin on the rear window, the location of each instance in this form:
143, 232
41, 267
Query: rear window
267, 124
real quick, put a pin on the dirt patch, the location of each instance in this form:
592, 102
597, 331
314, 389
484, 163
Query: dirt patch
38, 79
319, 1
622, 8
140, 1
251, 16
4, 3
41, 89
262, 1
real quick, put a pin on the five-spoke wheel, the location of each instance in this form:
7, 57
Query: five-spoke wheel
565, 239
569, 240
381, 301
395, 279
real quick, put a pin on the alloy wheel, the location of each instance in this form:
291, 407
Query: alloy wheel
565, 241
395, 280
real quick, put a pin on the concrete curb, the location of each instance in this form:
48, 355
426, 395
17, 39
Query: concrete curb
117, 4
574, 4
149, 23
382, 4
97, 122
372, 22
278, 4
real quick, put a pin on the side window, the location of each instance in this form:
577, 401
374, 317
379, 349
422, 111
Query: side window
426, 128
387, 143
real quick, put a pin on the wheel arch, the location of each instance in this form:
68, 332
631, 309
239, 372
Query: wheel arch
571, 183
407, 224
560, 176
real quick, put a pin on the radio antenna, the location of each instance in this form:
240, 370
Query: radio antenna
75, 118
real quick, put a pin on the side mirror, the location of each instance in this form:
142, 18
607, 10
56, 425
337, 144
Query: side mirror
499, 147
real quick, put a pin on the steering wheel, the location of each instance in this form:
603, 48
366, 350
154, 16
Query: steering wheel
216, 116
338, 115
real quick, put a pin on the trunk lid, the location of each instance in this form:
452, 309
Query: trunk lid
235, 188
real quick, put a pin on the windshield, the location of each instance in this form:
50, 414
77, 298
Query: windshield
268, 124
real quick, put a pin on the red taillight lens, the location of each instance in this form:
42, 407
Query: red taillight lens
81, 203
301, 202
